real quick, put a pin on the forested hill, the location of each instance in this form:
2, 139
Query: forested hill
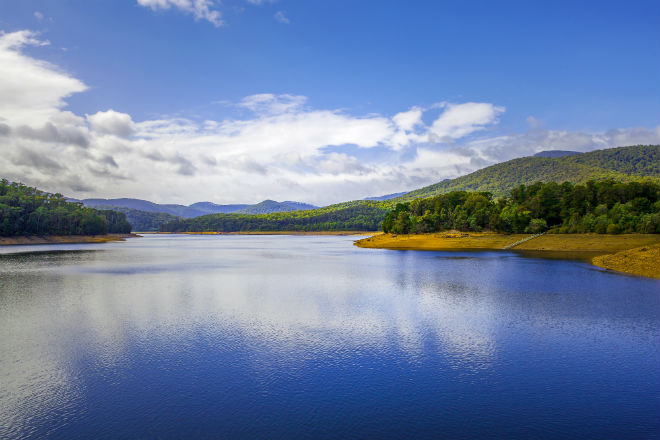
623, 164
350, 216
144, 221
25, 210
270, 206
603, 207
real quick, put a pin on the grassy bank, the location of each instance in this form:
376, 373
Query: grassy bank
644, 261
440, 241
631, 253
62, 239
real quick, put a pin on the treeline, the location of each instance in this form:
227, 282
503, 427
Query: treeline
344, 217
143, 221
603, 207
28, 211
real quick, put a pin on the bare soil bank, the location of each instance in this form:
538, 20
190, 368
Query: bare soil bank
617, 252
61, 239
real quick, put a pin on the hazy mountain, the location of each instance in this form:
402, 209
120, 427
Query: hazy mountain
145, 205
386, 197
196, 209
212, 208
555, 153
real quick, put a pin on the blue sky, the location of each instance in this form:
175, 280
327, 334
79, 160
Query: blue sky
504, 79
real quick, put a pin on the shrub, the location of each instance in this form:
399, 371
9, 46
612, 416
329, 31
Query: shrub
613, 229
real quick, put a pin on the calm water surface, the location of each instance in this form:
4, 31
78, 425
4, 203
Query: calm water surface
310, 337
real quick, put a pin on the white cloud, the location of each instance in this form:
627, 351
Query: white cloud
282, 148
408, 120
112, 122
200, 9
281, 18
38, 15
31, 90
460, 120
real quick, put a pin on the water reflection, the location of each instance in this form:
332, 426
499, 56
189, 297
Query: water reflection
277, 305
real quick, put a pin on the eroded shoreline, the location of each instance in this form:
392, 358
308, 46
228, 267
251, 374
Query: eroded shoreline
62, 239
635, 254
267, 233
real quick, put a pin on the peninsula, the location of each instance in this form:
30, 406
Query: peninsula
637, 254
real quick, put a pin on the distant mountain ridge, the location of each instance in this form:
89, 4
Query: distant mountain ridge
213, 208
145, 205
386, 196
197, 209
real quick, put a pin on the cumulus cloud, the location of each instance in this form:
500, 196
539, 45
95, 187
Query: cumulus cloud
112, 122
277, 146
31, 89
460, 120
409, 119
200, 9
57, 135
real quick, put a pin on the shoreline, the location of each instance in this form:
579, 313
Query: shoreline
63, 239
268, 233
635, 254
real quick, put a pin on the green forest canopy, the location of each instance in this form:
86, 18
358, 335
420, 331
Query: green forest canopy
602, 207
144, 221
28, 211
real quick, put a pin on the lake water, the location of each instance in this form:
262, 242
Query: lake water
310, 337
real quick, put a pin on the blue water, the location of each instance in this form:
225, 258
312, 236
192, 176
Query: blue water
310, 337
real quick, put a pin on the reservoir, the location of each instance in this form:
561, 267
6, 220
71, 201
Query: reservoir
245, 337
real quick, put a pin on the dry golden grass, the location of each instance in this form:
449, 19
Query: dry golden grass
588, 242
644, 261
440, 241
632, 253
